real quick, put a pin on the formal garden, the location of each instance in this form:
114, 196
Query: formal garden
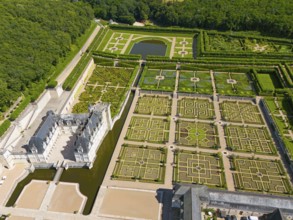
249, 139
218, 42
155, 79
154, 105
199, 168
282, 115
145, 129
197, 134
260, 175
195, 82
233, 84
106, 84
240, 112
122, 42
196, 108
140, 163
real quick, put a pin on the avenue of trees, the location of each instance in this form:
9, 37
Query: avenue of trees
34, 37
273, 17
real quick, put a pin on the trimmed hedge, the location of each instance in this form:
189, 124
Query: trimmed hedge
76, 72
52, 84
24, 103
155, 29
4, 127
130, 64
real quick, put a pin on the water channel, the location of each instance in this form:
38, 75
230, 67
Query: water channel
89, 180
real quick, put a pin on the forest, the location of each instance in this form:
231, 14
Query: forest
34, 37
271, 17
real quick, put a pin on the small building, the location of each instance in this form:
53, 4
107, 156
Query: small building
275, 215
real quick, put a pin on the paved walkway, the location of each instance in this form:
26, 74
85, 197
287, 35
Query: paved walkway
65, 73
223, 145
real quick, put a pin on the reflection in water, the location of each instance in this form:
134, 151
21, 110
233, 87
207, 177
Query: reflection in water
149, 47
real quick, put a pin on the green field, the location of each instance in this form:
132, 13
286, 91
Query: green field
268, 81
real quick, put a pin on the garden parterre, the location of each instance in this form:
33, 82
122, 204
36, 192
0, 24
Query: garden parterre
249, 139
148, 129
195, 82
106, 84
153, 105
162, 80
200, 168
143, 163
237, 84
240, 112
197, 134
196, 108
260, 175
121, 42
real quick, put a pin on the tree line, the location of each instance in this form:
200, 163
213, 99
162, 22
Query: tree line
272, 17
34, 37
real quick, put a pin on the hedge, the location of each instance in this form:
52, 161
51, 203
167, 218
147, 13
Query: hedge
76, 72
4, 127
286, 75
155, 29
127, 64
24, 103
52, 84
152, 65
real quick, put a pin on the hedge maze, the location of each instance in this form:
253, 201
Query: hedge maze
197, 134
153, 105
237, 84
199, 168
249, 139
241, 112
195, 82
260, 175
146, 164
195, 108
148, 129
162, 80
